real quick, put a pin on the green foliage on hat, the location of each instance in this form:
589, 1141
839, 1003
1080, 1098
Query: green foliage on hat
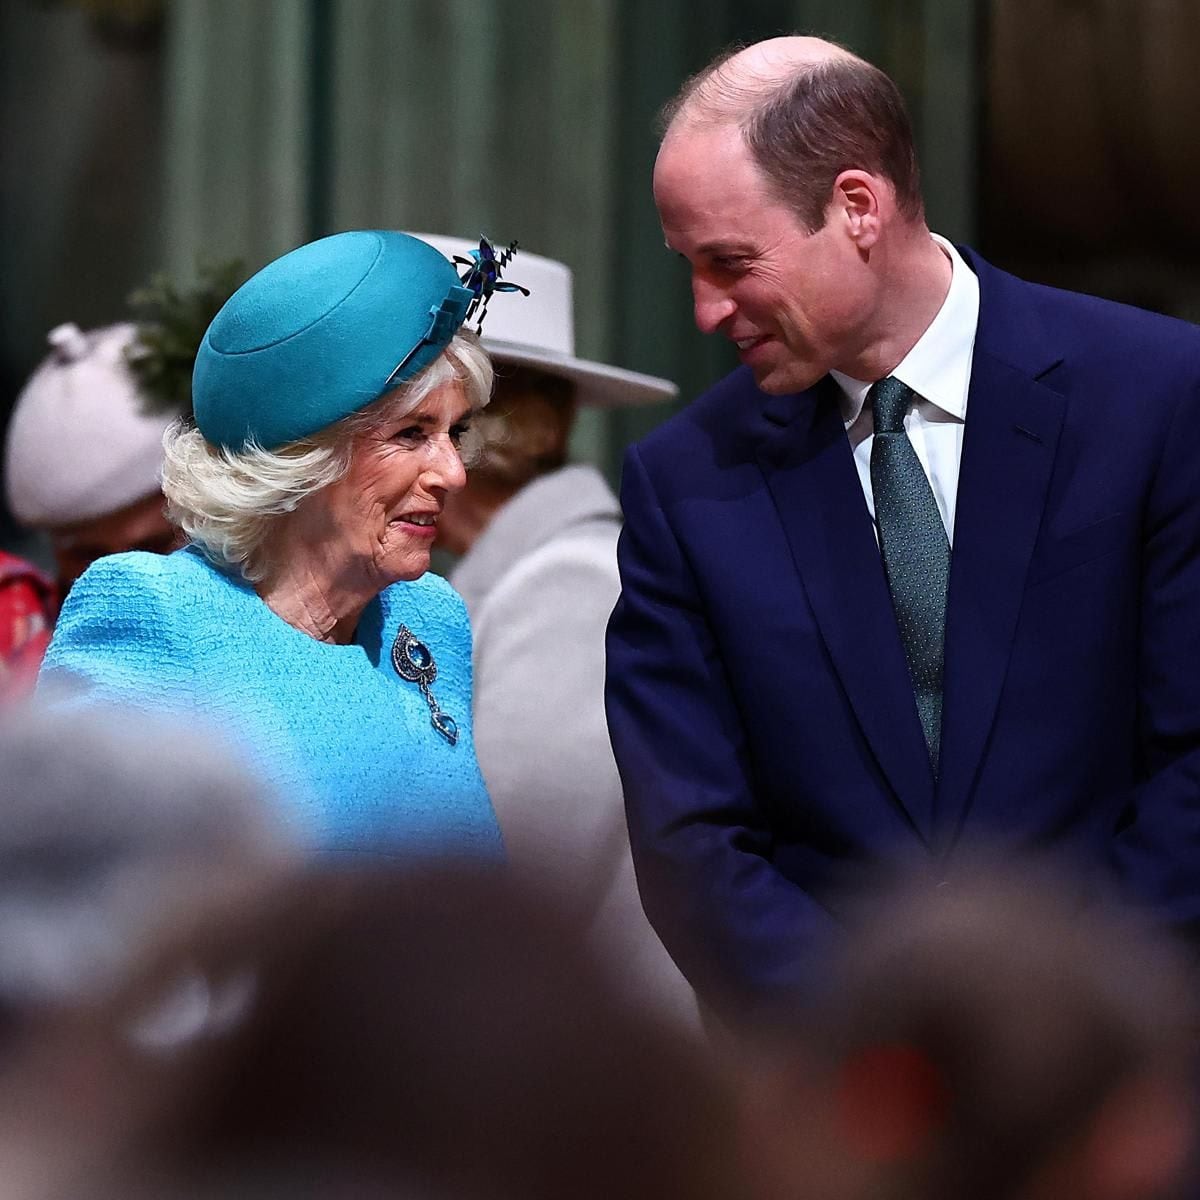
171, 323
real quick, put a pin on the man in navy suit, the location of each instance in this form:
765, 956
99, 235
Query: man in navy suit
924, 571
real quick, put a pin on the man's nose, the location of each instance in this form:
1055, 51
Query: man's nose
711, 305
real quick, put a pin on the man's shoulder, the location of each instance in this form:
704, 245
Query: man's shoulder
1100, 318
723, 415
1076, 321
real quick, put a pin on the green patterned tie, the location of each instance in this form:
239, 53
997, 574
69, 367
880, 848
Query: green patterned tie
916, 552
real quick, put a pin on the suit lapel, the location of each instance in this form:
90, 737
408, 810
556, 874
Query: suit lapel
806, 460
1012, 428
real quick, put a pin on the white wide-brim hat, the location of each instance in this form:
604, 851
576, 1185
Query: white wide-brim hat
538, 330
79, 444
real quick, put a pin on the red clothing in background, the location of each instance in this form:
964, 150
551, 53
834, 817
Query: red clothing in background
28, 606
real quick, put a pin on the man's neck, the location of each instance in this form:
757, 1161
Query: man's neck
915, 282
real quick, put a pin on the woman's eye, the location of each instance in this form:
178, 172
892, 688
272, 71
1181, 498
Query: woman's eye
458, 432
410, 433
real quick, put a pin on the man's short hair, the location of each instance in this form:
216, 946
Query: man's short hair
803, 131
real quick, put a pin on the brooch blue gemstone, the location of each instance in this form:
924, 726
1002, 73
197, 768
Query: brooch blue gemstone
415, 663
413, 659
446, 725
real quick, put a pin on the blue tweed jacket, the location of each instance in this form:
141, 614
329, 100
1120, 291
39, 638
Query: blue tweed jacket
343, 740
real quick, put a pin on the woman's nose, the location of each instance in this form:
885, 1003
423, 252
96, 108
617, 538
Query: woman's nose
445, 468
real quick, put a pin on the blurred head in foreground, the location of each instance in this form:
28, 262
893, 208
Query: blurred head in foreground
113, 826
988, 1038
429, 1033
119, 835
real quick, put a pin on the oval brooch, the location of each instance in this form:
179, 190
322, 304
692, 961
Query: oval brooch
415, 663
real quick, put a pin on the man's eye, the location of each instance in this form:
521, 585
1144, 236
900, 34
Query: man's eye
729, 262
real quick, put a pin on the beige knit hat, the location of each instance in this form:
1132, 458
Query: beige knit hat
79, 445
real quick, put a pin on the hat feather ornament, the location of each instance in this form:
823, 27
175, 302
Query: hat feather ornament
482, 277
540, 332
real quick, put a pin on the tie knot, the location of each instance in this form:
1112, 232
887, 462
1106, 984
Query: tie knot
889, 402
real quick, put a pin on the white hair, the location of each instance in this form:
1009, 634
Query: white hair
226, 501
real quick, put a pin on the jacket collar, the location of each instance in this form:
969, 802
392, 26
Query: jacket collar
1016, 410
539, 512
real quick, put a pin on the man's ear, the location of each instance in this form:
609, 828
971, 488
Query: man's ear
858, 201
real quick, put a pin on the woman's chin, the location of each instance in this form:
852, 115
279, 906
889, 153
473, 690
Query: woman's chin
403, 569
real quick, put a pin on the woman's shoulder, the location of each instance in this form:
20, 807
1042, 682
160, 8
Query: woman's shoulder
430, 597
118, 583
432, 611
135, 598
570, 579
140, 568
114, 625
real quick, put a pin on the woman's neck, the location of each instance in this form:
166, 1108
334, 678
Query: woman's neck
313, 604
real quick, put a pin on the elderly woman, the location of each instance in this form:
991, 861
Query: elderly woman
333, 395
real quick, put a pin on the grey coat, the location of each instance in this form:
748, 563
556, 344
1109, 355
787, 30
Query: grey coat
539, 584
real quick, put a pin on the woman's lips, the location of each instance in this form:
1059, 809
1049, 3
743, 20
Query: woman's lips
418, 524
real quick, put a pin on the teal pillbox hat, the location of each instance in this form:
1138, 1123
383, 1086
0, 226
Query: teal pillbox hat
322, 332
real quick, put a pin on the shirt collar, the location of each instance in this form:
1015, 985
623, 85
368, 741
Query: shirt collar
938, 367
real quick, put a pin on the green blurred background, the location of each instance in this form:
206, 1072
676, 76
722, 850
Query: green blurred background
138, 135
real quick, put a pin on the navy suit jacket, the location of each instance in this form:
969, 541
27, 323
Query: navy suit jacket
758, 698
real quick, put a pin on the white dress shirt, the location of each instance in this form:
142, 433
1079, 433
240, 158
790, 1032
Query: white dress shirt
938, 369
